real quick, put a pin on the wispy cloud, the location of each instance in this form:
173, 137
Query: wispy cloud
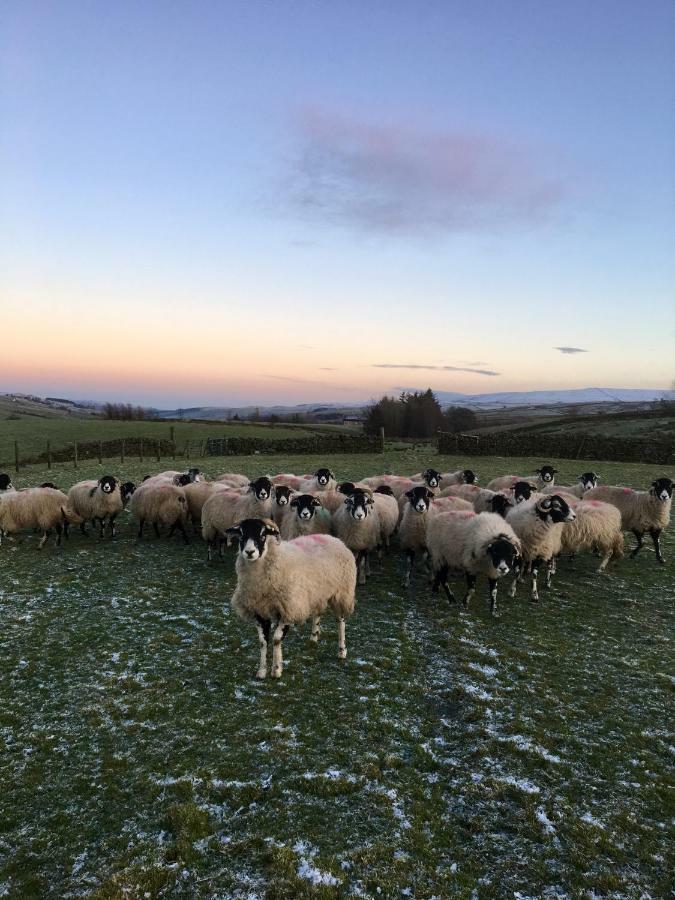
571, 349
475, 362
396, 179
327, 369
434, 368
306, 347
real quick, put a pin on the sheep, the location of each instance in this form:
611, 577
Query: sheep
282, 494
467, 491
280, 584
641, 511
6, 486
196, 494
357, 524
41, 508
160, 504
539, 524
482, 499
234, 479
224, 508
474, 544
321, 480
546, 476
388, 513
586, 482
399, 484
193, 474
449, 504
430, 477
177, 479
332, 500
522, 491
101, 501
461, 476
597, 527
412, 527
293, 481
306, 516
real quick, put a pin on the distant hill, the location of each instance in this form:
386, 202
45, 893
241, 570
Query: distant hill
549, 398
24, 405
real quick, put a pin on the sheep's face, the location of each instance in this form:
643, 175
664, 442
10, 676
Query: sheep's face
252, 535
305, 506
662, 489
589, 480
384, 489
282, 494
5, 482
556, 510
127, 489
181, 480
346, 487
261, 487
500, 504
502, 556
107, 484
432, 477
195, 475
469, 477
359, 504
547, 474
522, 490
323, 476
420, 498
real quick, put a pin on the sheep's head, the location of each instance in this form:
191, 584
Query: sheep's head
346, 487
126, 490
523, 490
195, 475
662, 489
547, 473
305, 506
555, 509
589, 480
261, 487
252, 535
432, 477
420, 498
108, 483
358, 503
469, 476
282, 494
181, 480
502, 555
323, 476
500, 504
5, 482
384, 489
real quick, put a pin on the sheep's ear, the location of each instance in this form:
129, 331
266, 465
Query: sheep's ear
546, 504
538, 471
332, 474
273, 531
555, 471
250, 488
234, 531
409, 494
430, 495
316, 502
294, 501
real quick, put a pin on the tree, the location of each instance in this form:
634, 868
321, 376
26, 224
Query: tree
413, 415
459, 418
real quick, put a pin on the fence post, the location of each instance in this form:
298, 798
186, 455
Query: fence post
100, 451
159, 450
122, 450
16, 456
49, 454
382, 438
227, 447
202, 449
75, 454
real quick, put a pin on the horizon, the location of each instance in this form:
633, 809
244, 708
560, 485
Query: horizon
274, 205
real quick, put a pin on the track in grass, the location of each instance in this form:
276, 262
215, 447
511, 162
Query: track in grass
450, 754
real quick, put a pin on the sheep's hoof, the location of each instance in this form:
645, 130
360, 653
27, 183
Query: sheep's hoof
276, 673
261, 673
535, 598
661, 560
314, 638
342, 653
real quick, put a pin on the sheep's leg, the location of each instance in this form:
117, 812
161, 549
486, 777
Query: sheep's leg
342, 641
101, 532
141, 524
316, 629
606, 556
492, 582
263, 626
656, 538
111, 526
59, 531
553, 566
181, 528
410, 558
516, 578
43, 539
638, 535
277, 656
366, 556
156, 529
470, 589
550, 571
534, 596
425, 560
360, 565
442, 579
83, 528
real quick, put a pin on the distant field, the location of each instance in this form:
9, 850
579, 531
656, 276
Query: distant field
32, 433
453, 755
661, 427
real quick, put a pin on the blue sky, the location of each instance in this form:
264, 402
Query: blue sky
273, 200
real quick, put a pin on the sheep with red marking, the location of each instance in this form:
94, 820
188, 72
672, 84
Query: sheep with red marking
282, 583
545, 478
597, 528
587, 481
322, 480
224, 508
357, 524
305, 516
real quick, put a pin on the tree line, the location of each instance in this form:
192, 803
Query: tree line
127, 412
416, 414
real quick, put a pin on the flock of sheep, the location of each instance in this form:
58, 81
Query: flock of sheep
305, 540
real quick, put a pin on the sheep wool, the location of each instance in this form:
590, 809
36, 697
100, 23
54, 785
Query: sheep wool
641, 511
357, 524
538, 524
597, 527
159, 504
97, 500
44, 508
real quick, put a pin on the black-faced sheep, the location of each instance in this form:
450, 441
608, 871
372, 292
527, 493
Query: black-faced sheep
357, 525
158, 504
538, 524
306, 516
546, 476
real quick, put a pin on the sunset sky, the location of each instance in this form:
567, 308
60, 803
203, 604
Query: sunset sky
234, 202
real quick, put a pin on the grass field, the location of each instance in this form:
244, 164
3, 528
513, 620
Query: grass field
452, 755
33, 433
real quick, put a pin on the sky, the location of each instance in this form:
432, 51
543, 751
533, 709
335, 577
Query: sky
255, 202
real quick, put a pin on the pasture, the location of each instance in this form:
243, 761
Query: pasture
451, 755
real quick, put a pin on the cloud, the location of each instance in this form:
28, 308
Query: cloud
306, 347
434, 368
571, 349
327, 369
400, 180
475, 362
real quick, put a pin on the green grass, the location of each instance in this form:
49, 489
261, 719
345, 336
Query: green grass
452, 755
33, 433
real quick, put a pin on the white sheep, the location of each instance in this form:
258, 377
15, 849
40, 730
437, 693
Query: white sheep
160, 504
46, 509
412, 526
224, 508
196, 494
305, 516
399, 484
100, 500
587, 481
192, 474
430, 477
641, 511
473, 544
357, 525
292, 481
282, 494
545, 477
234, 479
387, 512
538, 524
285, 583
321, 480
461, 476
597, 527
